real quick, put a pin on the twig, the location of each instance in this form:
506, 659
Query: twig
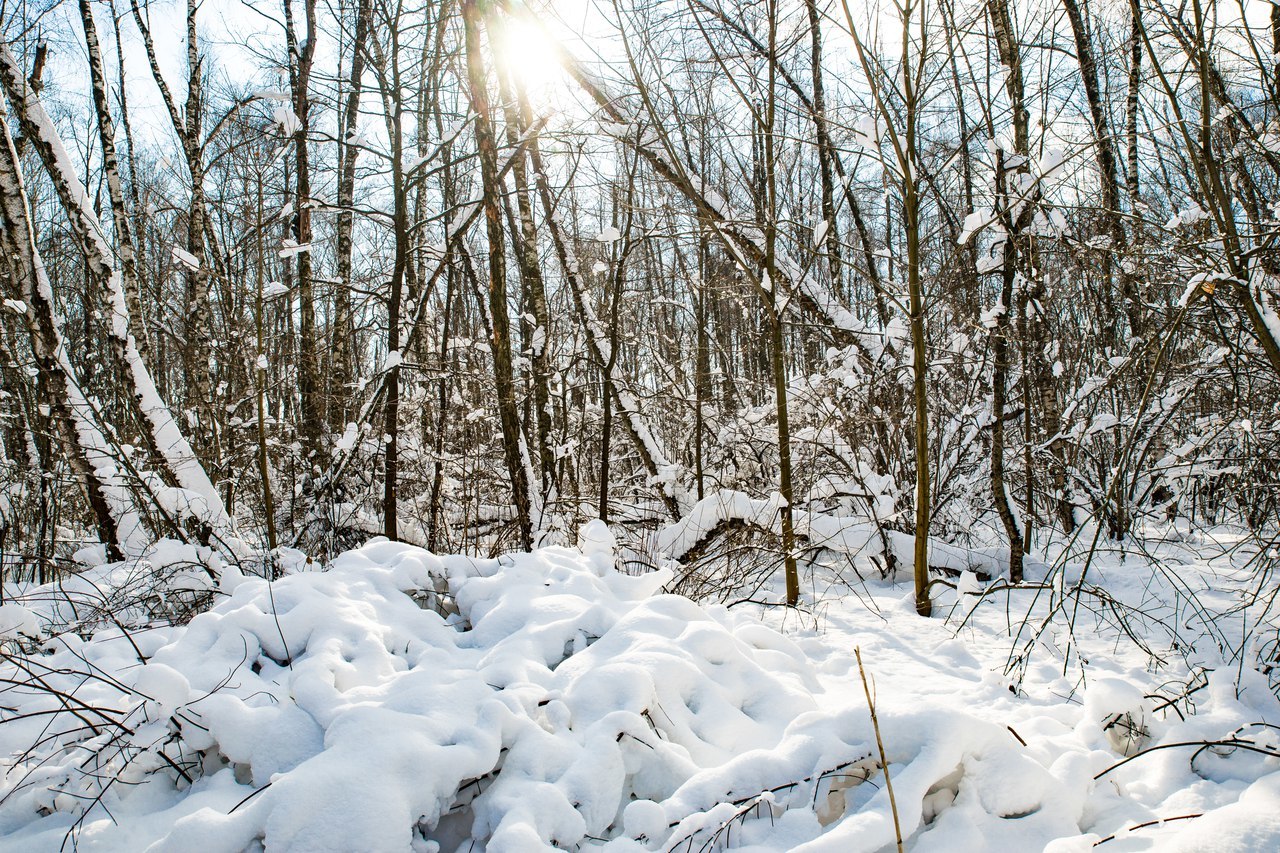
250, 797
1136, 827
884, 762
1201, 745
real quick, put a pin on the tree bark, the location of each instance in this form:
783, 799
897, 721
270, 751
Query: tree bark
537, 335
1105, 155
83, 443
115, 188
508, 410
774, 311
175, 454
260, 371
1011, 204
311, 416
826, 153
348, 152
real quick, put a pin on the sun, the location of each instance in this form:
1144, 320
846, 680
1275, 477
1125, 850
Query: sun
531, 58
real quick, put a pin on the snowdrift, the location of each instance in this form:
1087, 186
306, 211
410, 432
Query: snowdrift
404, 701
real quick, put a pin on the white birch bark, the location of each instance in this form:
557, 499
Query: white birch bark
89, 453
169, 440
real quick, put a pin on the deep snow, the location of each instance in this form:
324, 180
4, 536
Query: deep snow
399, 700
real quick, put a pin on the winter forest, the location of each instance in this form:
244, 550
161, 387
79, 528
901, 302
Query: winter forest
639, 425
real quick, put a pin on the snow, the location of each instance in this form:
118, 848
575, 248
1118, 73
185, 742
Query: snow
595, 538
1197, 282
975, 222
1266, 307
164, 685
184, 258
849, 536
402, 700
287, 120
1052, 161
819, 233
348, 439
990, 263
1192, 214
292, 248
16, 620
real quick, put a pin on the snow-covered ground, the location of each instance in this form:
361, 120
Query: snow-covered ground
399, 700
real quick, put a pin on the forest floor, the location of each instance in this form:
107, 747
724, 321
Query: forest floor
403, 701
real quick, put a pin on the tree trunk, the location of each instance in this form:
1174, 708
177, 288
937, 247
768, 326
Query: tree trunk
508, 410
536, 334
260, 373
84, 445
1009, 199
348, 151
1105, 154
311, 417
174, 452
111, 172
826, 153
772, 297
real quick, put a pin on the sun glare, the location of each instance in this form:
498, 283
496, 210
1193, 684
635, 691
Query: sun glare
530, 55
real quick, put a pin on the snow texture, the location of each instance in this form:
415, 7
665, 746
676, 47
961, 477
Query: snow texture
403, 701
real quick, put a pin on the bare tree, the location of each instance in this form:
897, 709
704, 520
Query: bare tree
85, 447
508, 410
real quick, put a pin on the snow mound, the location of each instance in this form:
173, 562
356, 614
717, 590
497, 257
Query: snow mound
401, 700
853, 536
